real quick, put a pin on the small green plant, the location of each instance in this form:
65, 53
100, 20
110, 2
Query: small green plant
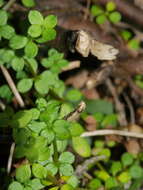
28, 3
102, 15
41, 134
115, 174
132, 42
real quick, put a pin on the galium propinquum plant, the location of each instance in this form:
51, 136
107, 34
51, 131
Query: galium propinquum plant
41, 133
109, 13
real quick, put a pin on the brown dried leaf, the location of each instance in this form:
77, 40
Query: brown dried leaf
139, 3
86, 44
140, 115
135, 128
78, 80
133, 146
91, 123
90, 94
103, 51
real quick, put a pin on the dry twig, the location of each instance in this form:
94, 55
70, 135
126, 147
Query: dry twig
72, 65
112, 132
8, 5
82, 168
132, 113
76, 113
118, 105
12, 86
9, 163
2, 105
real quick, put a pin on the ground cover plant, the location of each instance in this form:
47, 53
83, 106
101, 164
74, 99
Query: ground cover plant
71, 104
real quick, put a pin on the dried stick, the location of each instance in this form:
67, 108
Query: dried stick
12, 86
8, 5
82, 168
74, 115
2, 105
72, 65
118, 104
9, 163
132, 113
112, 132
86, 14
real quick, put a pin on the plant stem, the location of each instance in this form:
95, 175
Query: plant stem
100, 166
8, 5
55, 157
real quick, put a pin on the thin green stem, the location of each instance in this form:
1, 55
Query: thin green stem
100, 166
55, 157
8, 5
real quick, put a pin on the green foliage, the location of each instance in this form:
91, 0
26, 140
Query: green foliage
23, 173
139, 80
55, 61
96, 10
7, 31
24, 85
35, 17
136, 171
132, 42
109, 13
111, 182
15, 186
127, 159
110, 6
74, 95
31, 49
116, 167
39, 171
40, 132
126, 35
67, 187
81, 146
66, 157
18, 42
6, 93
115, 17
101, 19
103, 175
28, 3
3, 17
109, 120
94, 184
76, 129
124, 177
100, 106
35, 184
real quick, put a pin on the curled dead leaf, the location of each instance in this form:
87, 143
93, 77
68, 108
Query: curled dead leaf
85, 44
135, 128
133, 146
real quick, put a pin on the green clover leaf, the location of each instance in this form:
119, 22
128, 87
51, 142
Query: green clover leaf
3, 17
39, 171
35, 17
31, 49
24, 85
67, 157
23, 173
18, 42
15, 186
